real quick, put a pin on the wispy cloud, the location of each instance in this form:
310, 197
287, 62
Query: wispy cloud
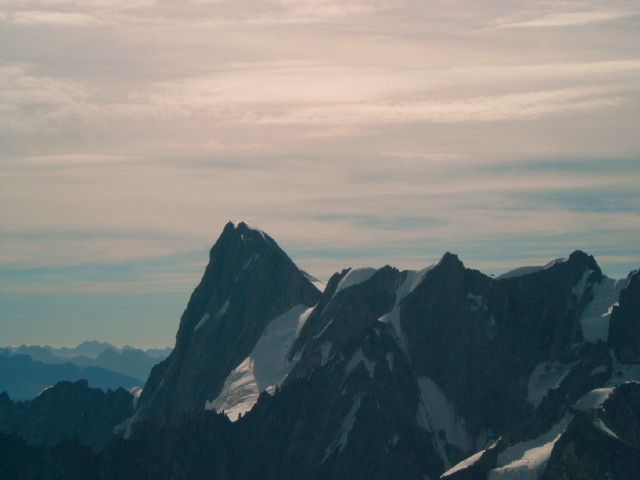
567, 19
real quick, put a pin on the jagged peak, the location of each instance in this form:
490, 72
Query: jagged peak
234, 227
584, 262
450, 260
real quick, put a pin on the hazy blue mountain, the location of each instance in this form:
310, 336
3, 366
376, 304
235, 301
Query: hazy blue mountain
23, 378
130, 361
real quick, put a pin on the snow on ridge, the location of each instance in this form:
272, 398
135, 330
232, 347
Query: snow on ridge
525, 460
519, 272
265, 367
44, 390
354, 277
522, 271
554, 262
593, 399
412, 280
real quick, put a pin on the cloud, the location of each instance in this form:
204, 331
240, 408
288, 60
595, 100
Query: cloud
354, 132
568, 19
43, 17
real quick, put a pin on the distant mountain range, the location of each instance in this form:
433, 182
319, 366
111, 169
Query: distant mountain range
29, 369
442, 372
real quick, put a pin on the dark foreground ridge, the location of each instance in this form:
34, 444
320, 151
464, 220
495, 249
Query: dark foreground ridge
443, 372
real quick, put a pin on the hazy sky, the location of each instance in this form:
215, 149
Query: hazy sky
355, 133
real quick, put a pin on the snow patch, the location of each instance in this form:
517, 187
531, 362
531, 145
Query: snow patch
412, 279
44, 390
354, 277
580, 288
221, 311
239, 393
302, 319
464, 464
436, 414
596, 315
136, 392
600, 425
555, 262
266, 366
519, 272
598, 370
201, 322
525, 460
393, 319
522, 271
345, 428
594, 399
545, 377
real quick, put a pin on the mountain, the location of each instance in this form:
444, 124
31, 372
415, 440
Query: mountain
129, 361
24, 378
250, 296
443, 372
83, 413
89, 348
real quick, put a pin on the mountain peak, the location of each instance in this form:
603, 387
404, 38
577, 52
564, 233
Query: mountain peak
450, 260
583, 261
249, 282
243, 230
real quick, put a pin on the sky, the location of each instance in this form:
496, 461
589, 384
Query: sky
355, 133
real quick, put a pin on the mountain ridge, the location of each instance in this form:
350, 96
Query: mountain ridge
407, 374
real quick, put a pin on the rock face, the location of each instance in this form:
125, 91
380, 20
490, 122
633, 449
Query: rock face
248, 283
66, 411
624, 335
